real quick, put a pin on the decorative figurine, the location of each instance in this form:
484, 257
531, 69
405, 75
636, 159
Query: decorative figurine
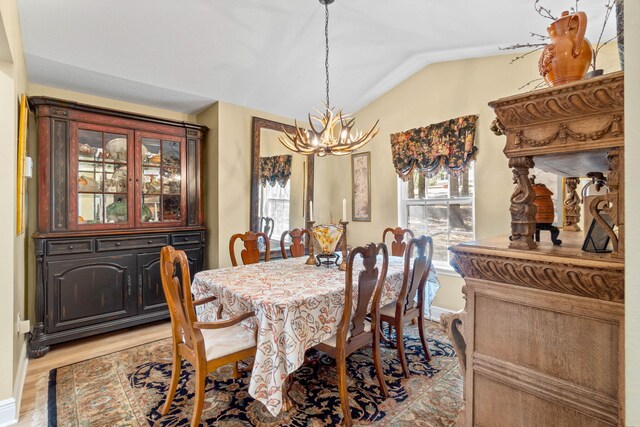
544, 211
571, 205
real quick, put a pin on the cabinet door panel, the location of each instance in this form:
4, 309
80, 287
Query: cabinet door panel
151, 297
87, 291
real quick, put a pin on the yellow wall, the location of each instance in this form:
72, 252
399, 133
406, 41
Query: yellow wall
228, 175
13, 82
439, 92
632, 198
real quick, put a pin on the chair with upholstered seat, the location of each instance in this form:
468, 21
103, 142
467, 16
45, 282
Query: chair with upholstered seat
397, 245
251, 252
405, 307
206, 345
297, 247
355, 331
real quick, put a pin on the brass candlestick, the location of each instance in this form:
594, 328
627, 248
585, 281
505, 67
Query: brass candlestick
343, 264
311, 260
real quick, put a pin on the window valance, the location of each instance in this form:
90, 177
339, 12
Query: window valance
275, 169
449, 144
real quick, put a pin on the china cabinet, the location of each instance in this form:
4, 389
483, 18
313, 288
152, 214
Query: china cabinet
541, 338
113, 189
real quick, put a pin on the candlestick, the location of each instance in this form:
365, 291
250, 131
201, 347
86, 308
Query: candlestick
343, 264
311, 211
344, 209
312, 259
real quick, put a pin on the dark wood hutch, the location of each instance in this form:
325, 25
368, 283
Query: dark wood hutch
113, 189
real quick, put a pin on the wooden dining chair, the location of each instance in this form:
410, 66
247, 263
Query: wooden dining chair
267, 225
355, 331
251, 253
405, 307
297, 246
398, 245
206, 345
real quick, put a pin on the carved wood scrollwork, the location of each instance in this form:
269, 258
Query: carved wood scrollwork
563, 133
571, 205
590, 282
523, 211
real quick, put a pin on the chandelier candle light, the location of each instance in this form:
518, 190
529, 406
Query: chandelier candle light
335, 135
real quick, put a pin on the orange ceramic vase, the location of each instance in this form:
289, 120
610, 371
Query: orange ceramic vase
567, 57
545, 213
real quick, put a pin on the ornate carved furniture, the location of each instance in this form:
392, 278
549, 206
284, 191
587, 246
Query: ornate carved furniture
297, 247
541, 338
354, 331
113, 188
206, 345
398, 245
405, 307
251, 253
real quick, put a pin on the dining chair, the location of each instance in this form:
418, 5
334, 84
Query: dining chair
354, 330
405, 307
297, 247
206, 345
398, 245
267, 225
251, 253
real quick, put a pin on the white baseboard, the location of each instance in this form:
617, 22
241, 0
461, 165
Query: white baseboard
10, 408
18, 387
8, 412
436, 312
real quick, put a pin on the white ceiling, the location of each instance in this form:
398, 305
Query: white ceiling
268, 55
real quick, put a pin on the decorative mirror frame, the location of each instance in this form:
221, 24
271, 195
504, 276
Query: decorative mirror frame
258, 124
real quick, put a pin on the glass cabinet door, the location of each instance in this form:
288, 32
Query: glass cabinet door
161, 180
101, 180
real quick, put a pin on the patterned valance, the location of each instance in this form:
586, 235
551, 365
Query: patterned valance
275, 169
448, 144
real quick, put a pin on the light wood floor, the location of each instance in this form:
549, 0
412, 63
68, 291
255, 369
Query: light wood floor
84, 349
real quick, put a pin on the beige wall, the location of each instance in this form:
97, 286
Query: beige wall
436, 93
13, 82
632, 176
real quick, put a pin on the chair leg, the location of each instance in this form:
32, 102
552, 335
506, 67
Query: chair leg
236, 371
377, 363
382, 335
400, 345
341, 366
422, 336
201, 380
175, 377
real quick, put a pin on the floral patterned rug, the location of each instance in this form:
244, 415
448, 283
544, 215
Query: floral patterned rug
127, 388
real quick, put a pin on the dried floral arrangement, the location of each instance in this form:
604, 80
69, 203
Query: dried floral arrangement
542, 40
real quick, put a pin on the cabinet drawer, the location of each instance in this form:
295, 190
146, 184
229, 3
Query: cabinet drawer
185, 239
137, 242
64, 247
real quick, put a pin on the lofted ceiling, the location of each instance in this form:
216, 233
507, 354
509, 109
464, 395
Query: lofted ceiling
268, 55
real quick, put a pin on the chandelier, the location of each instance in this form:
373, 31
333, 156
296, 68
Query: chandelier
335, 134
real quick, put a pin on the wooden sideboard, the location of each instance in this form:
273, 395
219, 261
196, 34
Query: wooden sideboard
113, 188
541, 338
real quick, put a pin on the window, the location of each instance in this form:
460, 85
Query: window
440, 207
276, 206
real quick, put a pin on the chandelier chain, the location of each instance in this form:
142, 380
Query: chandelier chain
326, 39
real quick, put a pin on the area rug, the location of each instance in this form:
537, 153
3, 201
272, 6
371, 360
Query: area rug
128, 388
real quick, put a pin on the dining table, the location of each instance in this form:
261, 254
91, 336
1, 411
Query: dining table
296, 305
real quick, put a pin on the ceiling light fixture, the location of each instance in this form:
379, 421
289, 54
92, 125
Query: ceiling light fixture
336, 135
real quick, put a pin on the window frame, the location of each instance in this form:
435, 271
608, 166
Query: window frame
404, 202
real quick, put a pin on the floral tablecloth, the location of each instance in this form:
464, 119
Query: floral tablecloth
297, 306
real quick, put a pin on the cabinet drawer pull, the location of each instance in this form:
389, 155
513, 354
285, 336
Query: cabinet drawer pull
150, 241
70, 246
129, 285
186, 239
118, 243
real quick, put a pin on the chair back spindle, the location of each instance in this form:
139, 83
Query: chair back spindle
398, 245
297, 246
370, 281
251, 253
415, 276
